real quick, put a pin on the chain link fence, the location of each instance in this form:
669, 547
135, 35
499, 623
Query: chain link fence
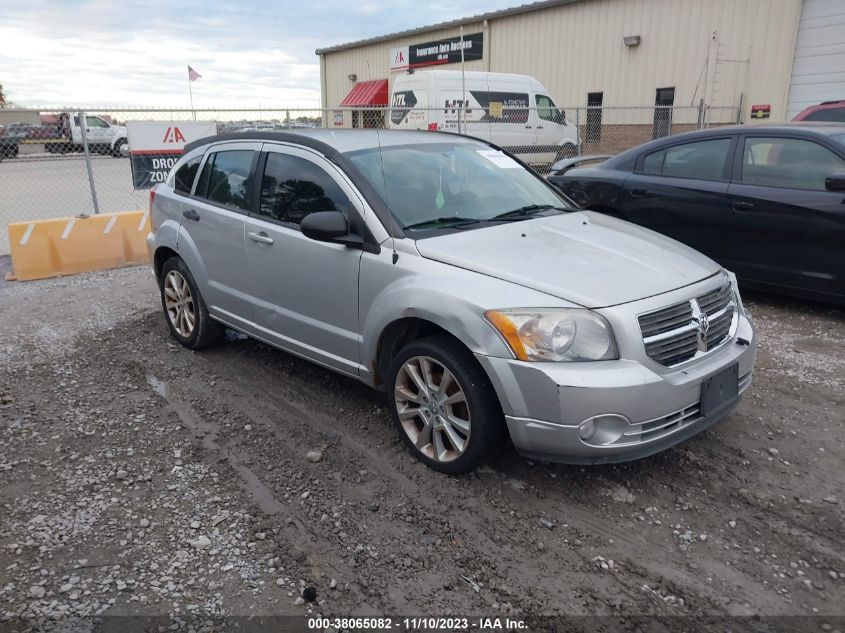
45, 171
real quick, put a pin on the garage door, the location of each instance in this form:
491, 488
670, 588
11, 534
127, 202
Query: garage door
818, 73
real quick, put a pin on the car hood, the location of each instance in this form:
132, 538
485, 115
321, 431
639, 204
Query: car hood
584, 257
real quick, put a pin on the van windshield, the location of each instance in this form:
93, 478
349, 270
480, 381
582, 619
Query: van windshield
450, 186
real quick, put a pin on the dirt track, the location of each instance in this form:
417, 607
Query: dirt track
138, 477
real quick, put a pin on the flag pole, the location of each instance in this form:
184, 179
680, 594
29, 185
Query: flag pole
191, 93
463, 87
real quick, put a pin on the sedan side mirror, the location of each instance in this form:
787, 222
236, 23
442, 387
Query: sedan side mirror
835, 182
328, 226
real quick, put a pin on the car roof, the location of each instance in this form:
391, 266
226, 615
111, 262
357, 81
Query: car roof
343, 141
812, 127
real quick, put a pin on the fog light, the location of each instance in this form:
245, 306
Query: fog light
587, 429
604, 429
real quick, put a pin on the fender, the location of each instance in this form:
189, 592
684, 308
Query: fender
452, 298
188, 251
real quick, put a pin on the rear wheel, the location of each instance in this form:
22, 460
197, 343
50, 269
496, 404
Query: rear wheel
444, 406
121, 148
184, 309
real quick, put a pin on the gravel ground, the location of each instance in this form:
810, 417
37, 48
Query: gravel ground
140, 478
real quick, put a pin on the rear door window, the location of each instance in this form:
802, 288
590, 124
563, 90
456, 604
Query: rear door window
184, 177
293, 187
788, 162
225, 179
699, 160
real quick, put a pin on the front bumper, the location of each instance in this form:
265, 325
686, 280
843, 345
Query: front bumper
545, 403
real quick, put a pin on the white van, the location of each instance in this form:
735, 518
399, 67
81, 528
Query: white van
514, 112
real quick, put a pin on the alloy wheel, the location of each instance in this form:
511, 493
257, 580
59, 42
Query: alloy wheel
432, 408
179, 303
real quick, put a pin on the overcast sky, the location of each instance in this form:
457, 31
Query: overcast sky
135, 52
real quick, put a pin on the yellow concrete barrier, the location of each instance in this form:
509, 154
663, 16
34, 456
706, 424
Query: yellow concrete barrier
65, 246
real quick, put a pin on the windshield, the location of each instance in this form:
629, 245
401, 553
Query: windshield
450, 186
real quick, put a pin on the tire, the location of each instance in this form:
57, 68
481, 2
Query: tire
566, 151
204, 331
116, 150
478, 418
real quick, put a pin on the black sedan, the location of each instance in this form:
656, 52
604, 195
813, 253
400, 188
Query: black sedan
765, 201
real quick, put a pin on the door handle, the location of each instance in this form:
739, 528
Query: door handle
539, 127
743, 206
638, 192
527, 127
190, 214
261, 238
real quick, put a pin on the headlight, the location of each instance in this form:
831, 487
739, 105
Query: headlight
735, 287
554, 334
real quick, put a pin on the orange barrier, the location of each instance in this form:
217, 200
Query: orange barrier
65, 246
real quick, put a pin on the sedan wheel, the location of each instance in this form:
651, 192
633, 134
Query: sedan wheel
432, 409
179, 303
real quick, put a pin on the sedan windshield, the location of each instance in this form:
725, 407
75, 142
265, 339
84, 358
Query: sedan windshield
454, 186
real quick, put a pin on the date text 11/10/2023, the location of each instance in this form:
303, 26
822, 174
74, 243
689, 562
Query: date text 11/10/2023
422, 623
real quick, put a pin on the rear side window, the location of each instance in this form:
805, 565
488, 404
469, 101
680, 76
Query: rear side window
183, 179
225, 179
700, 160
293, 187
788, 162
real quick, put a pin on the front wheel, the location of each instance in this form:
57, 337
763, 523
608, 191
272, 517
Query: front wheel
184, 308
444, 406
568, 150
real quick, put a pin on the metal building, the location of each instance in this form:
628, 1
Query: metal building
761, 58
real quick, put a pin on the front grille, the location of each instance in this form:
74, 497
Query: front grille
680, 332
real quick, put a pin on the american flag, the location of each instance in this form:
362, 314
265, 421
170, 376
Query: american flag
192, 74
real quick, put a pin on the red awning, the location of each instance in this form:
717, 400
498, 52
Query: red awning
366, 93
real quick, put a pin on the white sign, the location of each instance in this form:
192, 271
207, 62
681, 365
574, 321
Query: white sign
399, 58
155, 146
166, 136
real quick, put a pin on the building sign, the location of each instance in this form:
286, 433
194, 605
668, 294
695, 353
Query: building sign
155, 146
446, 51
761, 111
399, 58
337, 116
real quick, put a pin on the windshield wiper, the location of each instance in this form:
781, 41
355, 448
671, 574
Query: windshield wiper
450, 221
526, 211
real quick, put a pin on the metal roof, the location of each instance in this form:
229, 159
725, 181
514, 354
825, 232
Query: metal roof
366, 93
473, 19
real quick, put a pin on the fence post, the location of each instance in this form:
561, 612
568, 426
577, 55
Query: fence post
701, 113
578, 139
83, 124
739, 109
287, 119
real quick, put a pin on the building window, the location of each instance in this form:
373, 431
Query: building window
594, 102
664, 99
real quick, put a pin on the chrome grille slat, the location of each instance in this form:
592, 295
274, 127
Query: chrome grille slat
672, 335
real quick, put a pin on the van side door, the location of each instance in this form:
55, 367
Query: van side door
512, 118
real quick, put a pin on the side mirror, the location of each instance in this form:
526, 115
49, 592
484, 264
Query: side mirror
324, 226
835, 182
329, 226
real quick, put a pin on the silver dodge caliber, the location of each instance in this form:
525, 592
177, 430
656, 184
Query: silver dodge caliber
439, 269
